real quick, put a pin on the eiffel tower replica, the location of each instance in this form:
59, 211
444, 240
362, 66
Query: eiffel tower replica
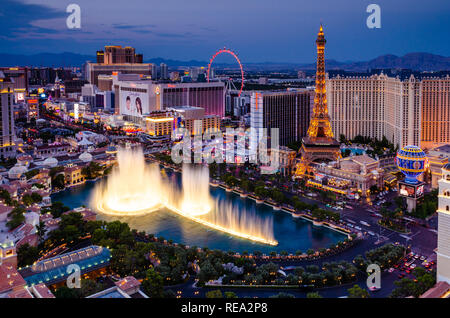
319, 145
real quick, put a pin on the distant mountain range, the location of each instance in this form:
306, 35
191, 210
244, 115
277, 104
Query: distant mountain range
414, 61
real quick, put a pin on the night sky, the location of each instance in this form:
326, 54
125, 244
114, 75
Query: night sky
259, 30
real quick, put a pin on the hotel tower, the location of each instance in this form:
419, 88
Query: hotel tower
443, 250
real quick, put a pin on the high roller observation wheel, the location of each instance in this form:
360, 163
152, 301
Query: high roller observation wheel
227, 51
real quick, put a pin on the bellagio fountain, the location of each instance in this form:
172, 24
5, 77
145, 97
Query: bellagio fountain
137, 188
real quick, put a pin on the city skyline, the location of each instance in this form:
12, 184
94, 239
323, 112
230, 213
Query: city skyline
196, 30
126, 172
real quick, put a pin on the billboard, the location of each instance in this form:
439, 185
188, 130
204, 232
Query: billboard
407, 190
410, 190
20, 97
134, 103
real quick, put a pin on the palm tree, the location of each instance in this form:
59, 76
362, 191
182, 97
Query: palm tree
41, 230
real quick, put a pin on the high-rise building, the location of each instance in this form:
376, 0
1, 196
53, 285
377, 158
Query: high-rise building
435, 112
288, 111
164, 71
7, 138
443, 249
101, 57
116, 54
319, 145
19, 76
154, 71
237, 105
375, 106
210, 96
116, 59
406, 112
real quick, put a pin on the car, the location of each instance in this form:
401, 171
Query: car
408, 271
374, 288
413, 266
416, 256
390, 270
422, 258
358, 228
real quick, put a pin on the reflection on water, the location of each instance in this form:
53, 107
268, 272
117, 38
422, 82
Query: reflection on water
136, 188
291, 234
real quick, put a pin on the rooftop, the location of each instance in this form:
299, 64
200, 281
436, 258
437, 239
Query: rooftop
10, 278
22, 293
55, 269
42, 291
128, 283
55, 145
439, 290
363, 159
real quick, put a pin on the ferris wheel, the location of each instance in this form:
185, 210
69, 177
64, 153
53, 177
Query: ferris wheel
230, 84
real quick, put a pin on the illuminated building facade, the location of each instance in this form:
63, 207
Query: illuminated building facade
7, 139
286, 159
349, 175
406, 112
116, 59
156, 96
443, 249
94, 70
288, 111
161, 125
195, 120
319, 145
8, 254
116, 54
210, 96
32, 108
19, 77
435, 111
375, 106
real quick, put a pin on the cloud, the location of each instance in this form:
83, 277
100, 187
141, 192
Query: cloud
19, 18
122, 26
173, 35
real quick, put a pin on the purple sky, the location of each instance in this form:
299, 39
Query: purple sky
259, 30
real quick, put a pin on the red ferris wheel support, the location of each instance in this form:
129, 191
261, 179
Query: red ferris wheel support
227, 51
